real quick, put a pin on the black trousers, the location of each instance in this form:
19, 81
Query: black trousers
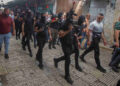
54, 37
68, 50
75, 50
115, 58
17, 32
118, 83
94, 46
39, 57
26, 41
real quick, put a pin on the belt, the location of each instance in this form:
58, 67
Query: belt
97, 34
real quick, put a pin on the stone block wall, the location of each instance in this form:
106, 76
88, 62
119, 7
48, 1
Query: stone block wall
111, 17
66, 5
108, 24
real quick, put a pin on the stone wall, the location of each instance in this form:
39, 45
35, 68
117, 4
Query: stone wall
96, 7
117, 10
110, 18
108, 24
86, 7
111, 15
66, 5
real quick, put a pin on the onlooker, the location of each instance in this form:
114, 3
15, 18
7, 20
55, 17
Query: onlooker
116, 54
96, 28
87, 19
0, 12
17, 25
118, 83
12, 16
54, 32
5, 30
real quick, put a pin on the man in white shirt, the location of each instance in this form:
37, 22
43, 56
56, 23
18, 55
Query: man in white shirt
12, 15
96, 28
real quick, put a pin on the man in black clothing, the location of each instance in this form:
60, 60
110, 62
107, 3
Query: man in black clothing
61, 21
54, 31
115, 60
21, 21
96, 28
17, 25
66, 43
41, 28
27, 30
118, 83
116, 54
70, 44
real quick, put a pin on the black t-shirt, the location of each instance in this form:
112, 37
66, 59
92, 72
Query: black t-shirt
54, 25
20, 23
60, 23
79, 29
28, 24
67, 39
17, 23
42, 34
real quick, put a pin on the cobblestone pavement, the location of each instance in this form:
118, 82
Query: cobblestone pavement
23, 70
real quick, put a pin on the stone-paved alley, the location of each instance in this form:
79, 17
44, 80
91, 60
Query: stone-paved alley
23, 70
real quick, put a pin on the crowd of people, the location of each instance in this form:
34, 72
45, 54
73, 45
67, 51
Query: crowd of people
60, 30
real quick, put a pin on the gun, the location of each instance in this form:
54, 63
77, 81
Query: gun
70, 14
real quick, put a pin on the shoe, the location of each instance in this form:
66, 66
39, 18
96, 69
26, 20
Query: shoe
115, 69
55, 63
69, 80
110, 64
6, 56
58, 43
54, 47
40, 66
23, 48
82, 59
101, 69
0, 49
31, 55
35, 46
113, 46
19, 37
79, 68
50, 47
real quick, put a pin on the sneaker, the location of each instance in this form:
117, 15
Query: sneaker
79, 68
54, 47
16, 38
69, 80
58, 43
115, 69
6, 56
101, 69
35, 46
55, 63
110, 64
50, 47
23, 48
31, 55
82, 59
40, 66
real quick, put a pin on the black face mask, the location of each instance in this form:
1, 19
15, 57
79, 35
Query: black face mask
43, 19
